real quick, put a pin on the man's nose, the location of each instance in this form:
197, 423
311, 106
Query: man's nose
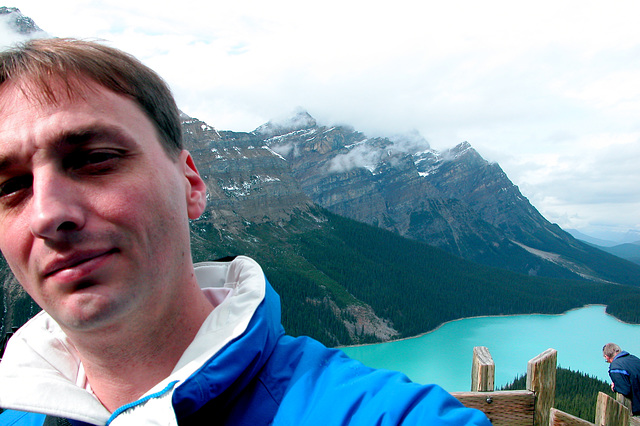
56, 206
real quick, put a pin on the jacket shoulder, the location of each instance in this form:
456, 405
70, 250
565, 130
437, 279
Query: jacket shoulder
22, 418
327, 387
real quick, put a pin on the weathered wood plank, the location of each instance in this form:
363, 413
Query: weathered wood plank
633, 421
483, 370
560, 418
503, 408
623, 400
610, 412
541, 379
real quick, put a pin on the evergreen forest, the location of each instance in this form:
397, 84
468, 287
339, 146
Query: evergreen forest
576, 392
321, 269
625, 307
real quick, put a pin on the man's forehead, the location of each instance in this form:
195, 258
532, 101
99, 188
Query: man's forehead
28, 123
51, 90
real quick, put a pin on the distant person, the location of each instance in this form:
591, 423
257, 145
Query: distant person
625, 374
96, 193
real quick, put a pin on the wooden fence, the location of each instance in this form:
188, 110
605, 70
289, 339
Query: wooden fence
534, 406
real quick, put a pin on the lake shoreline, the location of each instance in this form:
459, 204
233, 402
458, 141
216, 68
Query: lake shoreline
513, 340
480, 316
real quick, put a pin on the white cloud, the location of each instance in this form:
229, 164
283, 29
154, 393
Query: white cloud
547, 89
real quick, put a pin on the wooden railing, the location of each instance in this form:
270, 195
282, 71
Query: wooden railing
534, 406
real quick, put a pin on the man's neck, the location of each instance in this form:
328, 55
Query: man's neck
126, 361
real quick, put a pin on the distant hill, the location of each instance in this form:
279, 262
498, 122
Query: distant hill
592, 240
629, 251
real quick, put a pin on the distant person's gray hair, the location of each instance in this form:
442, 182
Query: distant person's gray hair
611, 350
40, 62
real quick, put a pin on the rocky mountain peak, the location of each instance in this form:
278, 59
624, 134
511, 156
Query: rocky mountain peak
453, 199
196, 132
17, 22
465, 153
301, 120
460, 149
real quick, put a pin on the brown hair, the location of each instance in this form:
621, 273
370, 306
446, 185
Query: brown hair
42, 60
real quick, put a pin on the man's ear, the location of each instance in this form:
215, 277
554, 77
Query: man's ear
196, 188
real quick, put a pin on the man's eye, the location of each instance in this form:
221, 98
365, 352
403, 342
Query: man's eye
14, 185
97, 159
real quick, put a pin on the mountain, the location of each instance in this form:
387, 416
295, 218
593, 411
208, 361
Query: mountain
341, 281
628, 251
629, 237
454, 199
372, 239
338, 278
591, 240
18, 25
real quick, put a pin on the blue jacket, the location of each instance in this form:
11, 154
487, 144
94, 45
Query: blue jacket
624, 371
251, 374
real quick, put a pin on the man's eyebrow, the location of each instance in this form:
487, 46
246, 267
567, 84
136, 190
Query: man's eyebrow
82, 136
71, 138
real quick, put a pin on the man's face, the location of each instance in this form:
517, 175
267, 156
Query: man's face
93, 213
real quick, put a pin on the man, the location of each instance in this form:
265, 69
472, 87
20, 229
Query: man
96, 194
625, 374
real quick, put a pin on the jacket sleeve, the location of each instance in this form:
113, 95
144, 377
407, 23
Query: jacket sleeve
344, 391
621, 381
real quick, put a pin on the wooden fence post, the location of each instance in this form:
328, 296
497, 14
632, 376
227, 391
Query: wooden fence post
483, 370
633, 421
623, 400
610, 412
541, 379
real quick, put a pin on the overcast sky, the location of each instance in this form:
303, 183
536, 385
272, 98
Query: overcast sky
548, 89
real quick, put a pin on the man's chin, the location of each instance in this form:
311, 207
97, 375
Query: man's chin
89, 312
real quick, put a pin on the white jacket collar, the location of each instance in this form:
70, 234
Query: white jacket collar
41, 371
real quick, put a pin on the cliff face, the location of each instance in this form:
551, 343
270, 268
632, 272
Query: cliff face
454, 199
247, 182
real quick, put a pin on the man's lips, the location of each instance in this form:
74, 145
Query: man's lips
76, 264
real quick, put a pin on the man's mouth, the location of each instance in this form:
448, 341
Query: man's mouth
76, 265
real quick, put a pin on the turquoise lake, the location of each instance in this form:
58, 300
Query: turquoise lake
444, 356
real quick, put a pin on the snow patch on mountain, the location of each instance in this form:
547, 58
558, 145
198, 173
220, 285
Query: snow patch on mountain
16, 28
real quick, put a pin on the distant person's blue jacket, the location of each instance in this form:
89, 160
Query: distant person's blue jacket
624, 371
241, 369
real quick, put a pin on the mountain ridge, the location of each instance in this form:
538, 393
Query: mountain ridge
338, 277
453, 199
